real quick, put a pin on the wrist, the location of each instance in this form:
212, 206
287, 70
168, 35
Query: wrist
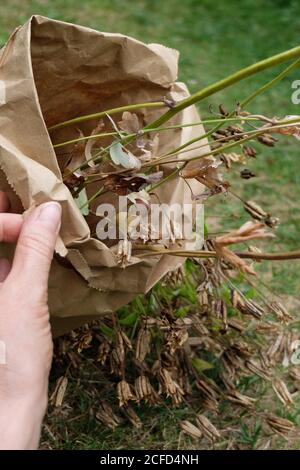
21, 422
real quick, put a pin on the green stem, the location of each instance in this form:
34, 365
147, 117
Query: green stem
159, 129
225, 83
244, 103
87, 117
87, 203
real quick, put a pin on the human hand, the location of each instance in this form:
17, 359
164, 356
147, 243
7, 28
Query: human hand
24, 323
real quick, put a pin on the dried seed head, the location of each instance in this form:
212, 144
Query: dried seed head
116, 362
255, 210
58, 395
250, 307
208, 391
208, 429
143, 344
267, 140
106, 415
190, 429
249, 151
295, 374
175, 339
103, 352
169, 386
223, 110
236, 324
243, 400
256, 368
145, 391
279, 425
131, 415
124, 393
126, 340
280, 311
282, 392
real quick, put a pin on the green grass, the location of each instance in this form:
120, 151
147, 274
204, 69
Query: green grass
214, 39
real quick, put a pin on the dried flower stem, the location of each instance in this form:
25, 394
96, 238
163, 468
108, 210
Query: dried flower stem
280, 256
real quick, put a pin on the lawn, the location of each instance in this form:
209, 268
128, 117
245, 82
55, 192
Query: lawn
214, 39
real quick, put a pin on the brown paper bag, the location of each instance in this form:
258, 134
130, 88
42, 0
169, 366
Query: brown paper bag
51, 71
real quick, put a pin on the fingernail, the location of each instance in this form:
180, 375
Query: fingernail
50, 215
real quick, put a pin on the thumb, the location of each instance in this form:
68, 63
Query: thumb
35, 248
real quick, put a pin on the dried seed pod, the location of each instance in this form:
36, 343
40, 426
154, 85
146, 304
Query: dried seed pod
145, 391
221, 312
250, 307
267, 140
235, 129
190, 429
236, 324
207, 428
255, 210
271, 222
169, 386
106, 415
116, 362
132, 417
149, 322
58, 395
126, 340
175, 340
280, 311
282, 392
243, 400
246, 174
279, 425
274, 347
295, 374
103, 352
143, 344
124, 393
256, 368
208, 391
249, 151
223, 110
236, 299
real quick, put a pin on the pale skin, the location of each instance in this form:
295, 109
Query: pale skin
24, 322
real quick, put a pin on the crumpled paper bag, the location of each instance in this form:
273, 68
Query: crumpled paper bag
51, 71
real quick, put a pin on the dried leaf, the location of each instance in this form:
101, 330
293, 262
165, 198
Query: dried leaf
290, 129
129, 123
